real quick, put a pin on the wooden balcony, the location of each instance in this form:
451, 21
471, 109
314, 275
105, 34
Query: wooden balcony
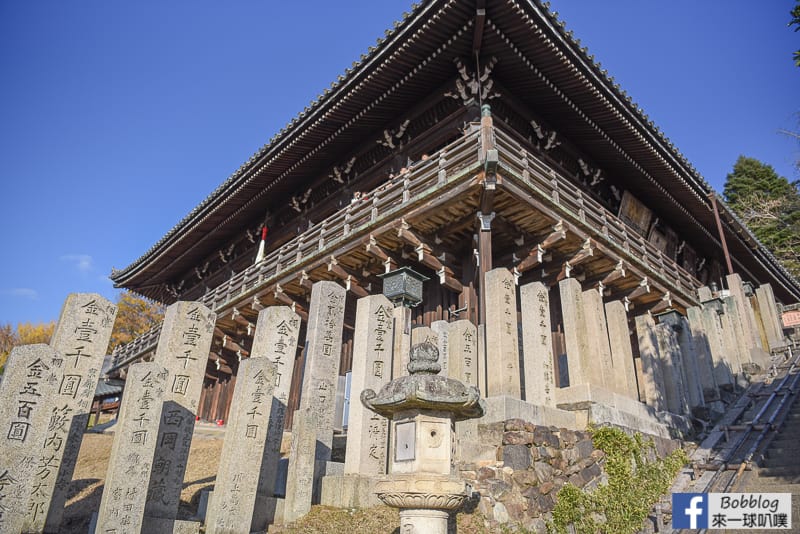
429, 196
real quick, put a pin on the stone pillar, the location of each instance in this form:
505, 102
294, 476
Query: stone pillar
620, 341
704, 293
693, 384
714, 334
482, 380
597, 330
462, 343
182, 349
302, 469
231, 509
702, 353
135, 439
576, 337
746, 315
502, 341
421, 334
402, 341
28, 401
768, 314
441, 330
276, 339
367, 432
81, 335
537, 345
652, 376
733, 338
323, 352
669, 354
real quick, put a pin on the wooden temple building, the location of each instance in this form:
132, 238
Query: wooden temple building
476, 134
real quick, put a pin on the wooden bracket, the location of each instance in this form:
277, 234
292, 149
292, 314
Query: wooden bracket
586, 251
642, 289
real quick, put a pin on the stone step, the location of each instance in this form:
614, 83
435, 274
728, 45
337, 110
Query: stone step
781, 474
784, 443
770, 485
780, 461
783, 451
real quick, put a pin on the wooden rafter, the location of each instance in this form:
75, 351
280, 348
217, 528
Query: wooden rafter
664, 303
375, 250
351, 281
536, 255
586, 251
642, 289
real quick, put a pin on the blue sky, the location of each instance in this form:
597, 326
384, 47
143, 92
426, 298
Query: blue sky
117, 118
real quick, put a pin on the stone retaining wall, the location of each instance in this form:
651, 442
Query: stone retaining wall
532, 464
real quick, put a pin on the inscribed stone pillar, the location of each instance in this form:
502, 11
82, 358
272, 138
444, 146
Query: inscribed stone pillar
702, 353
704, 293
462, 344
733, 338
746, 315
669, 354
302, 469
537, 345
620, 340
502, 336
482, 362
652, 378
81, 336
275, 338
401, 351
28, 401
135, 439
183, 347
441, 330
423, 334
691, 364
323, 352
714, 333
576, 338
231, 509
768, 313
367, 432
597, 330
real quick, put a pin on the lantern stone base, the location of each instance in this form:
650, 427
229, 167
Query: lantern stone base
425, 500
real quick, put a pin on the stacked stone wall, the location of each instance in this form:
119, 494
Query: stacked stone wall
533, 462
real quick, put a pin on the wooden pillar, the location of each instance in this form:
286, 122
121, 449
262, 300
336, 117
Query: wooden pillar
484, 259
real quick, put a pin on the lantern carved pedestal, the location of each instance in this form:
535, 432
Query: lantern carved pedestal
423, 407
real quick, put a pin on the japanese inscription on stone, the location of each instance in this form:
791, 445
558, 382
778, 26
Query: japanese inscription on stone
231, 509
26, 405
367, 432
502, 340
537, 345
135, 439
275, 338
183, 350
81, 337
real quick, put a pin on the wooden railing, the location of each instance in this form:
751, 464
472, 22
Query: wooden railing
425, 178
548, 184
391, 199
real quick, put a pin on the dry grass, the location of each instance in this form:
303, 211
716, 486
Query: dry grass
87, 487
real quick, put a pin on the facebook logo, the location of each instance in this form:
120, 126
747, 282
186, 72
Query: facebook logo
689, 510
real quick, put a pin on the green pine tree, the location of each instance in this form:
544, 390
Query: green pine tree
770, 206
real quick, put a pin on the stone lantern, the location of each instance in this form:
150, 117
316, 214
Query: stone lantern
423, 408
